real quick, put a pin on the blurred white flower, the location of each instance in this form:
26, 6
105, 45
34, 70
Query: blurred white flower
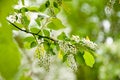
67, 47
15, 18
109, 40
75, 38
89, 44
11, 18
72, 62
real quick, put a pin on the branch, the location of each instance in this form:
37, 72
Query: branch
32, 32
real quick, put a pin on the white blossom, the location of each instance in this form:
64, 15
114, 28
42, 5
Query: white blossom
89, 44
43, 59
75, 38
72, 62
15, 18
67, 47
11, 18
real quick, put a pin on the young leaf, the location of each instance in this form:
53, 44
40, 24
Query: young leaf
25, 21
62, 36
46, 46
46, 32
55, 4
27, 45
34, 29
19, 24
42, 8
23, 9
56, 10
29, 39
47, 4
23, 3
29, 42
89, 59
52, 47
79, 58
33, 8
65, 57
55, 24
33, 44
39, 19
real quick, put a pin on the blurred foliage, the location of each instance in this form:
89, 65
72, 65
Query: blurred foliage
9, 54
110, 64
89, 16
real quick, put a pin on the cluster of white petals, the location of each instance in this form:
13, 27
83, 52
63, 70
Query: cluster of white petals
89, 44
15, 18
75, 38
72, 62
67, 47
43, 58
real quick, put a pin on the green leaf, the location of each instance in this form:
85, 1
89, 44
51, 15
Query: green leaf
46, 46
62, 36
47, 4
33, 8
79, 58
29, 39
52, 47
46, 32
23, 10
55, 4
65, 57
33, 44
29, 42
89, 59
38, 20
42, 7
34, 29
25, 21
27, 45
56, 10
55, 24
49, 48
19, 25
23, 3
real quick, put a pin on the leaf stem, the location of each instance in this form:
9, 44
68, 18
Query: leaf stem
32, 32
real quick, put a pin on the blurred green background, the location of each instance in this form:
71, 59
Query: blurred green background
98, 19
9, 54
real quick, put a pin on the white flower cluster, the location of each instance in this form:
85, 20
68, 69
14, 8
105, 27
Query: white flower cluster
84, 42
15, 18
72, 62
89, 44
75, 38
67, 47
44, 59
